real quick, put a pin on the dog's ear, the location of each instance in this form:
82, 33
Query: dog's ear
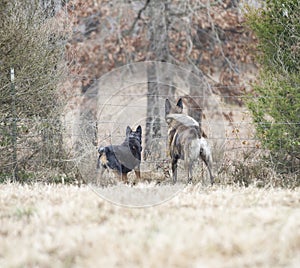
128, 131
139, 130
180, 104
167, 107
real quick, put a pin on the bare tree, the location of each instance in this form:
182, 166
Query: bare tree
199, 35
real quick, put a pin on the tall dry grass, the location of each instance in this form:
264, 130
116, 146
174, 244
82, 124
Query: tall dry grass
220, 226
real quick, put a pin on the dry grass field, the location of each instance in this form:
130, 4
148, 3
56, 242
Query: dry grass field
219, 226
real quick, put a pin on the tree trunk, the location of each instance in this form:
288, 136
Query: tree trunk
199, 94
153, 130
158, 32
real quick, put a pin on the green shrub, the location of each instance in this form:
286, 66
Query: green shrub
276, 110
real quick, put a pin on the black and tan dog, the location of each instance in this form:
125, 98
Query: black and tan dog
123, 158
185, 141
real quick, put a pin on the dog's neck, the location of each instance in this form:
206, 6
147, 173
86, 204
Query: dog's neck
128, 139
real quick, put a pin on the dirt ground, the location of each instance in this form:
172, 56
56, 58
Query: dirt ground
219, 226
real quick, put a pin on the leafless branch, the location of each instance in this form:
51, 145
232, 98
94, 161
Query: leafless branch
127, 32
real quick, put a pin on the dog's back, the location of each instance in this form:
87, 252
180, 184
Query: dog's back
184, 143
184, 139
183, 133
125, 157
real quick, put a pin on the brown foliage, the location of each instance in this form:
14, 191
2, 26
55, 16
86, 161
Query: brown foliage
212, 37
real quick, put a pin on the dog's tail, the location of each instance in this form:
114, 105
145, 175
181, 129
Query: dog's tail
194, 149
101, 151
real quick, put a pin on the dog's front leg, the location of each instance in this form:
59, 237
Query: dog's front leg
102, 168
137, 172
124, 178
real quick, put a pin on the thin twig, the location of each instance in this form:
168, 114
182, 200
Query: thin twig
137, 18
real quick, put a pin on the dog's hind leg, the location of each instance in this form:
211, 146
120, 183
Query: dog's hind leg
190, 171
174, 169
207, 161
205, 155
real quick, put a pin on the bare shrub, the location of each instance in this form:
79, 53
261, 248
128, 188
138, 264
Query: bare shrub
254, 167
33, 44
